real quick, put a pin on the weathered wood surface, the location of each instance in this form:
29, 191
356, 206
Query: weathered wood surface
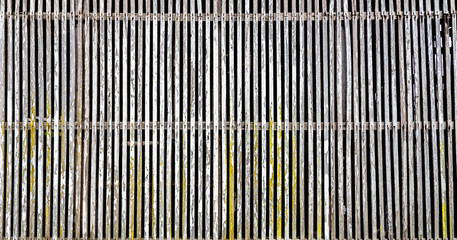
237, 119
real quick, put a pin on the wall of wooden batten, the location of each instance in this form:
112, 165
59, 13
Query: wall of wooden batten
223, 119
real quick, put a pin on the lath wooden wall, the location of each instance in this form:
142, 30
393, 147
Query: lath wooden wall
228, 119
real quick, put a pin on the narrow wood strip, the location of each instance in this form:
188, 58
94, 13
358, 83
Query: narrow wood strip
379, 116
232, 143
41, 149
26, 135
178, 136
349, 83
326, 149
332, 122
199, 99
93, 195
184, 131
139, 150
363, 100
435, 143
155, 79
310, 108
387, 113
148, 210
169, 94
271, 115
263, 63
216, 141
63, 119
224, 129
2, 116
71, 136
17, 139
125, 158
295, 170
454, 67
86, 160
286, 155
418, 134
393, 77
256, 108
339, 117
239, 134
102, 142
79, 118
117, 118
302, 119
132, 156
357, 153
409, 109
279, 118
208, 91
441, 129
162, 156
110, 124
247, 112
192, 197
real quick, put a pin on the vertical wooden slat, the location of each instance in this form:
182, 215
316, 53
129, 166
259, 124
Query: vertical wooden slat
2, 116
148, 210
71, 136
247, 111
231, 161
41, 88
349, 118
25, 133
199, 98
93, 197
287, 126
178, 137
339, 117
79, 109
332, 122
256, 108
379, 114
193, 66
239, 140
185, 120
216, 179
63, 121
387, 113
125, 100
162, 141
295, 170
302, 119
117, 107
393, 80
363, 153
263, 109
319, 162
450, 141
224, 124
310, 115
423, 56
325, 93
102, 118
169, 118
441, 128
454, 68
155, 179
208, 222
86, 230
239, 135
132, 97
139, 124
279, 125
109, 117
16, 126
356, 89
417, 125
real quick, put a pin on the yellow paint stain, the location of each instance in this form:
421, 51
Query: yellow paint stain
60, 231
278, 170
443, 210
32, 177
